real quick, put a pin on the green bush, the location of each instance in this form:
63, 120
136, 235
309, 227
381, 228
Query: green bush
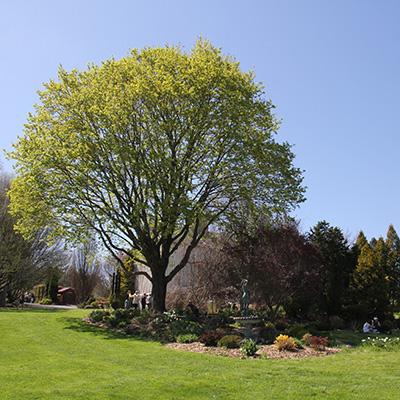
230, 341
98, 315
297, 330
249, 347
46, 301
120, 317
188, 338
183, 327
268, 332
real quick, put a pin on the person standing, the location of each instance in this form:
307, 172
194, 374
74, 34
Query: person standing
149, 302
143, 300
128, 300
136, 300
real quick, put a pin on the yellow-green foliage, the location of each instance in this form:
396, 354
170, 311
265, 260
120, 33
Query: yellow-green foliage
285, 342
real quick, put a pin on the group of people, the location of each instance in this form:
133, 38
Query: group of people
26, 297
373, 326
138, 301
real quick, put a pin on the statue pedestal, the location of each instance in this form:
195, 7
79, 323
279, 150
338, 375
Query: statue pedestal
247, 322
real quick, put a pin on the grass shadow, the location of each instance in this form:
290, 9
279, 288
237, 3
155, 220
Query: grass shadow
81, 326
31, 310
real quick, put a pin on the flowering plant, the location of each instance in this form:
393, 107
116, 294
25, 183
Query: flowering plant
384, 343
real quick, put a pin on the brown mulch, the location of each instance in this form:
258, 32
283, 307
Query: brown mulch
264, 351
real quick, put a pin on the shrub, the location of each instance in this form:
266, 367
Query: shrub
170, 316
336, 322
306, 339
281, 325
98, 315
268, 332
297, 330
269, 326
210, 338
249, 347
157, 323
230, 341
46, 301
318, 343
182, 327
120, 317
188, 338
284, 342
142, 317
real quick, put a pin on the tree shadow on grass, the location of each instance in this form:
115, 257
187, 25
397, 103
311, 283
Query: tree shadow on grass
32, 310
78, 325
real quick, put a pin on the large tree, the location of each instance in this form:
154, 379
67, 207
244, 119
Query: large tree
148, 151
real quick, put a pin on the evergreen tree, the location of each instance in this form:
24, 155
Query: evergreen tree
334, 256
392, 244
370, 284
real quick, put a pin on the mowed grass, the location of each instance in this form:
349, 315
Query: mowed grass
47, 354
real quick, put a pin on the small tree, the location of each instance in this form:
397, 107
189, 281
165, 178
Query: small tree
84, 273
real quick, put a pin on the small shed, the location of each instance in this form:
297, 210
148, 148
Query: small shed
66, 295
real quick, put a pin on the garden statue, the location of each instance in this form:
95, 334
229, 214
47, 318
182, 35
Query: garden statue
246, 298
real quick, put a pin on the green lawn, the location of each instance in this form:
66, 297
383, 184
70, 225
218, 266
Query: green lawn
54, 355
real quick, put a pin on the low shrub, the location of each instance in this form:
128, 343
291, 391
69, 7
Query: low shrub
229, 341
268, 332
281, 325
188, 338
284, 342
143, 317
120, 317
46, 301
170, 316
210, 338
318, 343
306, 339
249, 348
98, 315
183, 327
297, 330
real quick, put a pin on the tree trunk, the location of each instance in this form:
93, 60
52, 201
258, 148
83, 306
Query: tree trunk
159, 291
3, 295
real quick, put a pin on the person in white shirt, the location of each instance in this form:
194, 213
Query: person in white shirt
367, 328
136, 300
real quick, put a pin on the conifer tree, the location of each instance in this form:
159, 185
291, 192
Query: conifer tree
370, 284
392, 244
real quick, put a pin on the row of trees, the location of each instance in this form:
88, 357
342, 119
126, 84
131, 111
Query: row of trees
26, 263
318, 274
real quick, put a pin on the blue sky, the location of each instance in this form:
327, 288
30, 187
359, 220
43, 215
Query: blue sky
330, 67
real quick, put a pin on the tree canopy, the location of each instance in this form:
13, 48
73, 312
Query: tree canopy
150, 150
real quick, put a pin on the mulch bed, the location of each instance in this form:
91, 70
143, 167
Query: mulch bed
269, 351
